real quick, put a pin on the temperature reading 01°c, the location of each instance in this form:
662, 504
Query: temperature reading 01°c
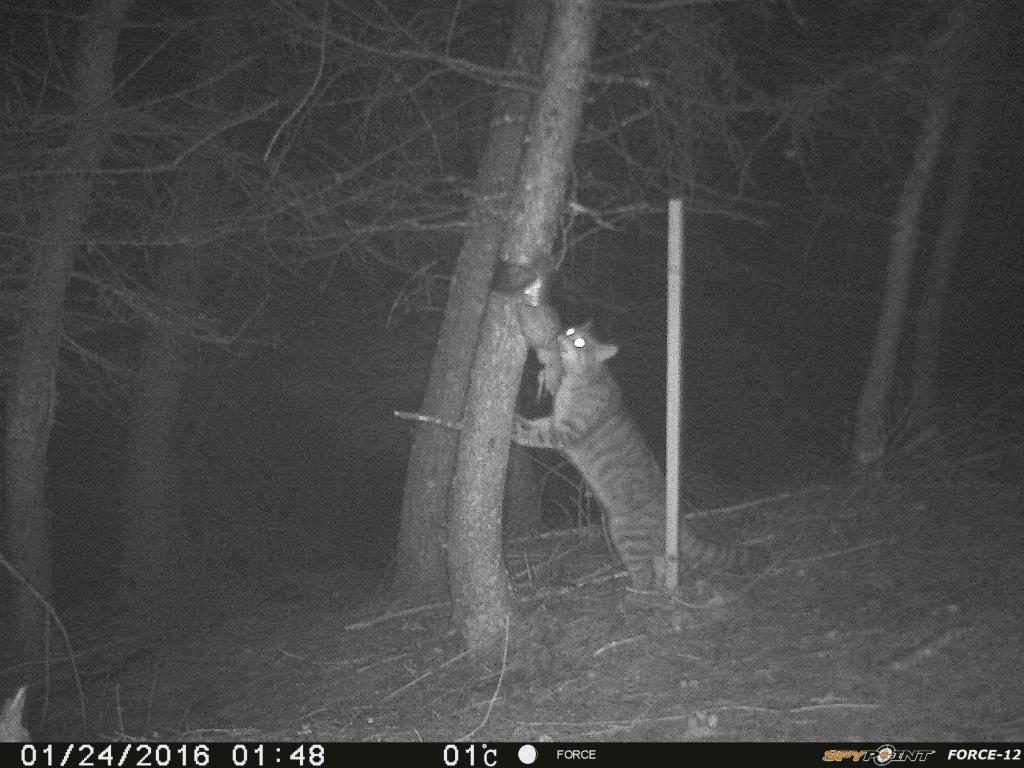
470, 755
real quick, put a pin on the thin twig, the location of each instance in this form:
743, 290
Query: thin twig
379, 619
760, 501
309, 91
497, 688
435, 420
52, 614
424, 676
842, 552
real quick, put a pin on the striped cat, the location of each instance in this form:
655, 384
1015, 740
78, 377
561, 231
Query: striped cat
590, 426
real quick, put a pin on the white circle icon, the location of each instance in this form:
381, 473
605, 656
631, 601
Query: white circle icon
527, 754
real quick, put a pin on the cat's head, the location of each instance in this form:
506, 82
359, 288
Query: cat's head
581, 350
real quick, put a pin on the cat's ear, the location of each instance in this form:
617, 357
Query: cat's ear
605, 351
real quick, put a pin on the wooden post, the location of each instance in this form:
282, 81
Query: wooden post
673, 391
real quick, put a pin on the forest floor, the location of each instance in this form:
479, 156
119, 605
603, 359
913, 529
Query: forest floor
892, 611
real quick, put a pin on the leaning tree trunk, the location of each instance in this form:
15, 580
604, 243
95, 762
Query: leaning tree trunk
869, 436
932, 308
31, 399
421, 565
151, 567
480, 588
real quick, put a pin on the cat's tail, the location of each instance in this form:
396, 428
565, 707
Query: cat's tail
711, 556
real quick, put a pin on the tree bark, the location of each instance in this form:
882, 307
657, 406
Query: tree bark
940, 269
151, 556
421, 564
869, 441
152, 565
480, 589
31, 398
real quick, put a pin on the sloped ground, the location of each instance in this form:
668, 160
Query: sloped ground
893, 612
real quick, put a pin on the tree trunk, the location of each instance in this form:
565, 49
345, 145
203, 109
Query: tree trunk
31, 398
936, 286
151, 566
480, 588
870, 438
421, 565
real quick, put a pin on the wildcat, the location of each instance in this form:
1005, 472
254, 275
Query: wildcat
590, 425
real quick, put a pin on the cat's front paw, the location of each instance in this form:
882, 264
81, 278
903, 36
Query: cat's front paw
532, 433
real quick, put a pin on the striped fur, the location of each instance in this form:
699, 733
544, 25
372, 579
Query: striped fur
591, 427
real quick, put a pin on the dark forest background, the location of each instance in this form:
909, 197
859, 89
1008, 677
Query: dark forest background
282, 189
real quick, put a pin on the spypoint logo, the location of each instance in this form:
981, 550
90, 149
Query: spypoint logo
887, 753
884, 755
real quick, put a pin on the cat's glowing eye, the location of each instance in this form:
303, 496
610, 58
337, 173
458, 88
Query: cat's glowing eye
579, 343
570, 331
